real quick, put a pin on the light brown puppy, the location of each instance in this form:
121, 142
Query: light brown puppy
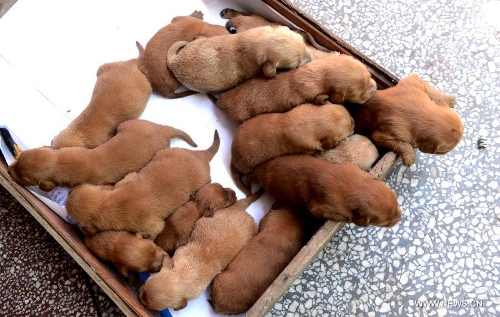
179, 225
242, 21
355, 149
339, 192
337, 78
142, 200
282, 233
121, 93
411, 115
134, 145
214, 243
130, 252
221, 62
302, 130
153, 60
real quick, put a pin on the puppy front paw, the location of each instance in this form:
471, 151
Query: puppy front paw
321, 99
328, 143
408, 158
451, 100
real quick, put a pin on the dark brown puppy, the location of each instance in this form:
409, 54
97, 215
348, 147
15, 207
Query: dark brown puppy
355, 149
302, 130
133, 146
337, 78
179, 225
153, 60
130, 252
411, 115
213, 244
242, 21
121, 93
142, 200
339, 192
282, 233
221, 62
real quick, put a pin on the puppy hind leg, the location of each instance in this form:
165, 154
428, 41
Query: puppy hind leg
269, 70
434, 94
404, 149
197, 14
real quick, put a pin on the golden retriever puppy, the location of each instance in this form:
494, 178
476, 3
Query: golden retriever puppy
133, 146
179, 225
339, 192
121, 93
221, 62
302, 130
411, 115
153, 60
282, 233
128, 251
337, 78
242, 21
214, 243
142, 200
355, 149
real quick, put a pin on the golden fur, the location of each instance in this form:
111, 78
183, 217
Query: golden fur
153, 60
302, 130
142, 200
282, 233
355, 149
221, 62
179, 225
411, 115
134, 145
337, 78
214, 242
121, 93
128, 251
339, 192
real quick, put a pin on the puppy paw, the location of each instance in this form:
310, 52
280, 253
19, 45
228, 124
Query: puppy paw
328, 143
450, 100
408, 158
321, 99
197, 14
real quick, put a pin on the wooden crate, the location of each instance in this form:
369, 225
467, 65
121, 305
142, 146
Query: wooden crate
116, 287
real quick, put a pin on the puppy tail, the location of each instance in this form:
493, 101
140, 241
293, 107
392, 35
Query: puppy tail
140, 48
236, 175
176, 133
245, 202
174, 48
212, 150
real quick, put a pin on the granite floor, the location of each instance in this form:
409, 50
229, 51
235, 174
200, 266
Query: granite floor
443, 257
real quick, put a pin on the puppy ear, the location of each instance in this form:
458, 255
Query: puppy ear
359, 218
47, 186
168, 262
183, 303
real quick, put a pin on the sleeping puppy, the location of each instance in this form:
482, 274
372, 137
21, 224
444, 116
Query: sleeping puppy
178, 226
121, 93
355, 149
153, 60
302, 130
282, 233
214, 242
134, 145
339, 192
242, 21
221, 62
142, 200
411, 115
337, 78
130, 252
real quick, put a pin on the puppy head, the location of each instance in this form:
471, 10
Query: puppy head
446, 132
343, 122
212, 197
293, 47
163, 290
377, 206
34, 167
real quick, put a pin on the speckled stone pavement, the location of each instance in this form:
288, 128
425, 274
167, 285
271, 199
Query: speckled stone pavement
443, 257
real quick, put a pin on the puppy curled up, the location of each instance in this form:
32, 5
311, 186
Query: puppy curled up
142, 200
302, 130
219, 63
339, 192
153, 58
282, 233
213, 244
133, 146
337, 78
411, 115
128, 251
121, 93
179, 225
355, 149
